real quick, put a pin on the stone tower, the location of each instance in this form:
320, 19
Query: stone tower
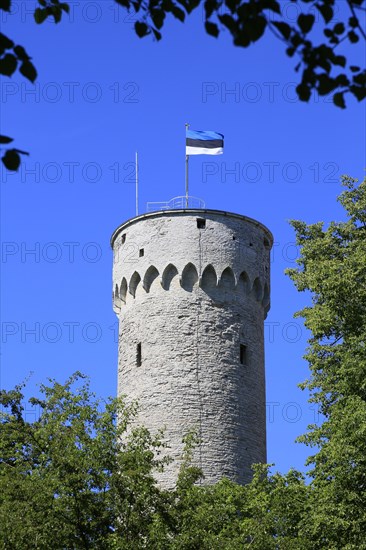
191, 289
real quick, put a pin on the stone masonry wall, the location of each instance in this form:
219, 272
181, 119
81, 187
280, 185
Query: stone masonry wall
191, 301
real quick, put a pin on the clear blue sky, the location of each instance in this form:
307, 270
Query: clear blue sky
102, 94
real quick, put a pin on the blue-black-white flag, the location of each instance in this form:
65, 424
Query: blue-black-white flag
204, 143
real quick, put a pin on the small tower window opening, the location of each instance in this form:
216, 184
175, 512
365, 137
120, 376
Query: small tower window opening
201, 223
123, 238
141, 252
138, 355
243, 355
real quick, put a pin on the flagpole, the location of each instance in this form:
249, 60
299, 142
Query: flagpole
187, 158
137, 184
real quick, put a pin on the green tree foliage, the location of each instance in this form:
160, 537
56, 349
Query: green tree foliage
265, 514
320, 61
332, 267
74, 478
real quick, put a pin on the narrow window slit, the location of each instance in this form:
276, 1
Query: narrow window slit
243, 354
138, 355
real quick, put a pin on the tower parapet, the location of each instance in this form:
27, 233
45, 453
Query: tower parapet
191, 289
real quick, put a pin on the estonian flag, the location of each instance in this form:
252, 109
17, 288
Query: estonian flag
204, 143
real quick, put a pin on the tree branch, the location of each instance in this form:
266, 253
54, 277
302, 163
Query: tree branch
352, 8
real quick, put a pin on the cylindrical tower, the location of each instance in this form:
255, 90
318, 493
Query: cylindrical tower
191, 289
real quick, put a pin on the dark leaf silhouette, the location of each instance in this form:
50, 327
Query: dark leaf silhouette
8, 64
11, 160
5, 139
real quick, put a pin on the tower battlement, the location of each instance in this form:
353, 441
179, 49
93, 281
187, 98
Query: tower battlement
191, 289
216, 286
